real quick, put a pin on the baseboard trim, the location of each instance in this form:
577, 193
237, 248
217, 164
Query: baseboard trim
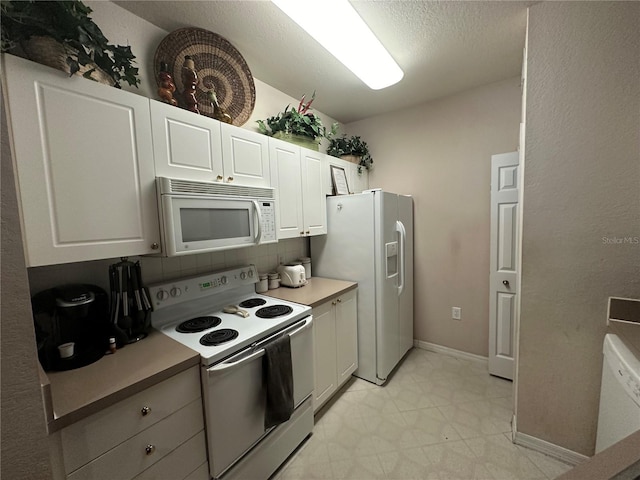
432, 347
560, 453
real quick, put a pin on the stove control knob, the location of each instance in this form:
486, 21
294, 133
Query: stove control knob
176, 292
162, 295
250, 273
223, 280
243, 276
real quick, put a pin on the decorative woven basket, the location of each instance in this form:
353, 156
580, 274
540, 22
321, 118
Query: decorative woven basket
300, 140
50, 52
352, 158
218, 65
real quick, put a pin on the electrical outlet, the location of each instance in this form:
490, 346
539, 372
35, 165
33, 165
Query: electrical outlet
456, 313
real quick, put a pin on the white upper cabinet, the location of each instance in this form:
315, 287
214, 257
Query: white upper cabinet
286, 174
196, 147
186, 145
314, 201
83, 161
357, 182
297, 176
245, 156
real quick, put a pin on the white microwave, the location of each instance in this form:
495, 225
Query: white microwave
198, 217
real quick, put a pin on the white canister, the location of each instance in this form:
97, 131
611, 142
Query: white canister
263, 284
274, 281
306, 263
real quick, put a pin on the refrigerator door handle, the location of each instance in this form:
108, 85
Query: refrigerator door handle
403, 240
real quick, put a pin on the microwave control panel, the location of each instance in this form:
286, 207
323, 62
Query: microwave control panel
268, 214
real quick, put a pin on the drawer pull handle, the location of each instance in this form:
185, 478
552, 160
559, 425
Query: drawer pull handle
149, 449
339, 300
333, 303
145, 411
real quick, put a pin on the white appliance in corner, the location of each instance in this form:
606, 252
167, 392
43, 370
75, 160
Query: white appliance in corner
619, 412
370, 241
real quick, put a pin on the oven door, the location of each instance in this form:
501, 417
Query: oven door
205, 224
235, 396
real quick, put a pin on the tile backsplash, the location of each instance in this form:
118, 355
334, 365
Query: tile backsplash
157, 269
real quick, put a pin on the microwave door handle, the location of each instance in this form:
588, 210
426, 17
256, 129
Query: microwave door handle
259, 217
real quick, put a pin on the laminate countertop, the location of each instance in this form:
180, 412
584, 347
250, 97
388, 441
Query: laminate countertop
76, 394
317, 291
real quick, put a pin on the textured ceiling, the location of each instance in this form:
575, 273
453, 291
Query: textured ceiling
443, 47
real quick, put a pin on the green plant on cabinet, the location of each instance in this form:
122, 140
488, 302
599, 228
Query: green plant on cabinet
300, 122
354, 146
71, 37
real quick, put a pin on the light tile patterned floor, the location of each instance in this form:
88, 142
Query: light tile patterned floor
438, 417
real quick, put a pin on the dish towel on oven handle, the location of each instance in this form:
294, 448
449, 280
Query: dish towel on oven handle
278, 374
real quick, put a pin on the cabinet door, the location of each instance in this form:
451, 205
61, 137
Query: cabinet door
324, 351
186, 145
346, 336
83, 161
245, 156
314, 201
285, 178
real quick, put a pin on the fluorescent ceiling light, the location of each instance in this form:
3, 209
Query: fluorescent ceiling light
338, 28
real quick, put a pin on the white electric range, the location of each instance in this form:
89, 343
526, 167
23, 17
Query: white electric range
231, 347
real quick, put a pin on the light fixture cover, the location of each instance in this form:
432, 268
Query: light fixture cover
337, 27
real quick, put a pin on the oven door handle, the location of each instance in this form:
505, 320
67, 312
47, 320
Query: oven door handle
242, 357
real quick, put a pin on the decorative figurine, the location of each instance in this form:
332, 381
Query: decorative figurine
189, 80
218, 111
166, 87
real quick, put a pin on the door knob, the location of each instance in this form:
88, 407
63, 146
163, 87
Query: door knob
505, 283
219, 177
229, 179
145, 411
149, 449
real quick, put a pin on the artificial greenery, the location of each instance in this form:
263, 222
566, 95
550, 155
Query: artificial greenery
351, 146
300, 121
68, 22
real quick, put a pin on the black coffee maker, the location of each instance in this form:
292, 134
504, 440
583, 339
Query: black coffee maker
77, 314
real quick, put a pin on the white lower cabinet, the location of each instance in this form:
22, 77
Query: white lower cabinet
356, 181
297, 176
155, 434
83, 159
335, 345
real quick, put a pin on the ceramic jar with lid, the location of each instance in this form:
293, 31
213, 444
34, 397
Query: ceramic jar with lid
274, 280
263, 283
306, 263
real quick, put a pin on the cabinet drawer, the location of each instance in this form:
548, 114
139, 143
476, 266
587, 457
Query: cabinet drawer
87, 439
131, 457
180, 463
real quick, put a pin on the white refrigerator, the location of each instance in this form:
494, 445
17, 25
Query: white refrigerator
370, 241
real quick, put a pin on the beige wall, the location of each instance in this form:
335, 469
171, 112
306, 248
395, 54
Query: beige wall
581, 186
24, 446
440, 153
123, 28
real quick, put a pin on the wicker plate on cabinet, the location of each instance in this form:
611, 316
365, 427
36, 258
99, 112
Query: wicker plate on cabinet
217, 63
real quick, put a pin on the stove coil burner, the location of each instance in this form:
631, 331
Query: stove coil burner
198, 324
252, 302
273, 311
218, 337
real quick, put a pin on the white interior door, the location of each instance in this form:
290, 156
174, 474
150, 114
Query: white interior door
503, 272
